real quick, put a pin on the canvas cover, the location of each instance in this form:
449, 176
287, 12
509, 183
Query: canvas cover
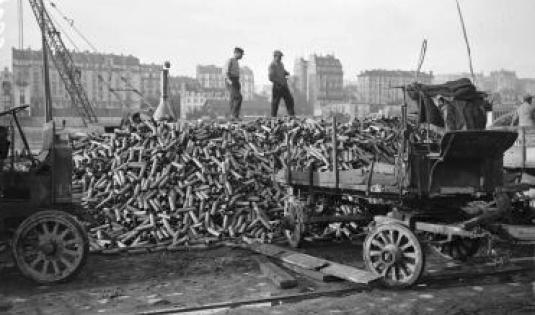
464, 107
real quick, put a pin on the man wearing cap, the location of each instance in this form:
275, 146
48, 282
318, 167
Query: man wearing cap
526, 112
277, 75
232, 79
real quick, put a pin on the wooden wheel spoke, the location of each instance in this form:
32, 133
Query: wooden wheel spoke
403, 272
70, 242
406, 246
383, 238
71, 252
409, 255
385, 271
44, 268
377, 264
44, 228
64, 234
378, 244
400, 237
375, 253
410, 266
55, 228
391, 236
36, 261
55, 265
394, 272
67, 263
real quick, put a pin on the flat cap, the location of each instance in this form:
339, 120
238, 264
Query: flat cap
278, 53
528, 97
238, 49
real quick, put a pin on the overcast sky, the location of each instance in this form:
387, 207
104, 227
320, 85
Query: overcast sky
363, 34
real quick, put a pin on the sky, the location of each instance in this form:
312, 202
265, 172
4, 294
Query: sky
363, 34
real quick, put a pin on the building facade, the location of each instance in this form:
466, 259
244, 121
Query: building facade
6, 89
300, 75
111, 82
352, 110
381, 87
528, 86
247, 83
317, 81
210, 77
192, 102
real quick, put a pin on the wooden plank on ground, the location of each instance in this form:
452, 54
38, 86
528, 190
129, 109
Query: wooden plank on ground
305, 261
277, 275
316, 275
267, 250
349, 273
314, 263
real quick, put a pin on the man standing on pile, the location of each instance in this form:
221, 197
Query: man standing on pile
277, 75
526, 112
232, 80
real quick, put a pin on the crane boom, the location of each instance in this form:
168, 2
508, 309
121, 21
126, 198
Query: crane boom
64, 63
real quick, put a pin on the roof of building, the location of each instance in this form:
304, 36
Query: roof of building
246, 70
327, 60
393, 73
190, 84
209, 69
85, 57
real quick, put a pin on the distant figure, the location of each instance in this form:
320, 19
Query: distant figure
277, 75
4, 142
4, 147
232, 79
526, 112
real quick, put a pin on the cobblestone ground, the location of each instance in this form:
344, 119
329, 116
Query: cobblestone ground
133, 284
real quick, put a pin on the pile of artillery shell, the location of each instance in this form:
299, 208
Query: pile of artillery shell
358, 144
175, 184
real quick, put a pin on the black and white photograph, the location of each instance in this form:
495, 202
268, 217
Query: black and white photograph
209, 157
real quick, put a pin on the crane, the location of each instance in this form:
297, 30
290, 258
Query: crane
62, 58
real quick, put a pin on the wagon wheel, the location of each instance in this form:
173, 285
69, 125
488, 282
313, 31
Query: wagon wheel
459, 248
294, 217
50, 247
394, 252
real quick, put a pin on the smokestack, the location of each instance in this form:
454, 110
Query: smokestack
164, 111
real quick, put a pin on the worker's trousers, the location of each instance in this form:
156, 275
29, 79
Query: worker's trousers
235, 97
281, 91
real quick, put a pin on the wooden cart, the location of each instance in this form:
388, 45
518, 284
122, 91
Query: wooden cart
449, 194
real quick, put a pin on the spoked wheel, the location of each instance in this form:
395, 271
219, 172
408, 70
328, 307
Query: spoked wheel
394, 252
294, 218
50, 247
458, 248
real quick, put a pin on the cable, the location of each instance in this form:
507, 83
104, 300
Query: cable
466, 42
71, 24
62, 31
421, 59
20, 18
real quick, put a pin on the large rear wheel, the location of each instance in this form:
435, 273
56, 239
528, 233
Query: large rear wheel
394, 252
50, 247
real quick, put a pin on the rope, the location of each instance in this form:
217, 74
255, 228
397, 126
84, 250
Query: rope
466, 42
20, 20
71, 24
62, 31
421, 59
